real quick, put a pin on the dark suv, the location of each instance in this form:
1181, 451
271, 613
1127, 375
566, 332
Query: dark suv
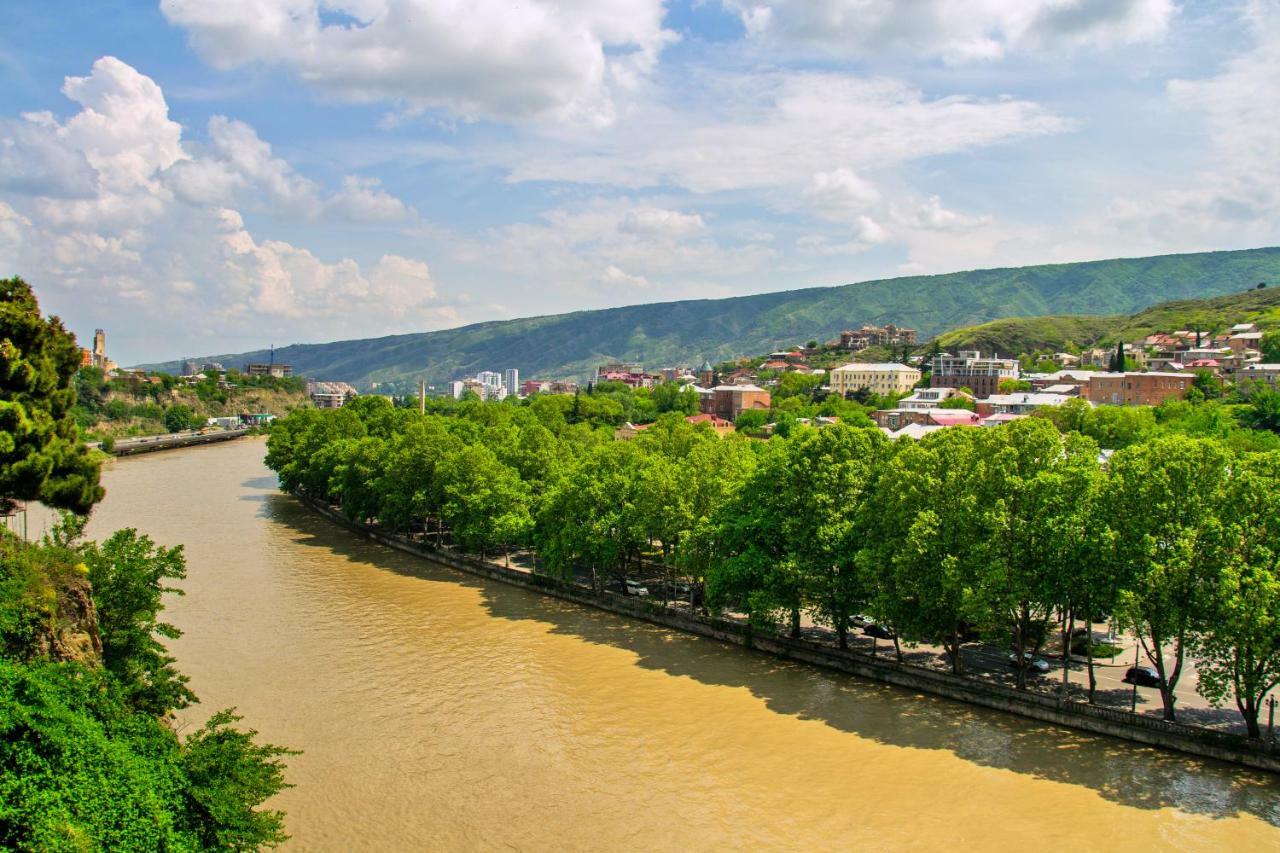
1143, 676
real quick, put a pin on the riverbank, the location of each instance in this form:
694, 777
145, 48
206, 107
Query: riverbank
1077, 715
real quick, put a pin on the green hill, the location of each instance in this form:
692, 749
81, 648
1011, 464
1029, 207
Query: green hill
676, 333
1016, 335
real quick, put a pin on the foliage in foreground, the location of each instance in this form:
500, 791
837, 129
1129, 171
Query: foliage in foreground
88, 760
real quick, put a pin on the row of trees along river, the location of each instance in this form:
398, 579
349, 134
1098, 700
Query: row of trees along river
1012, 532
89, 758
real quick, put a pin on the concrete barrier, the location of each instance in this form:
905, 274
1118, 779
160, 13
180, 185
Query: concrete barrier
1204, 743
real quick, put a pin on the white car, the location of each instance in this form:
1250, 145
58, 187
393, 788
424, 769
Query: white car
1038, 664
636, 588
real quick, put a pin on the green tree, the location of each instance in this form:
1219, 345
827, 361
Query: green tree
675, 397
828, 473
41, 455
130, 575
756, 570
1162, 502
1270, 346
1262, 411
1021, 498
1012, 386
1238, 651
229, 774
179, 418
926, 538
484, 502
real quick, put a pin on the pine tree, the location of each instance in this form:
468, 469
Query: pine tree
41, 455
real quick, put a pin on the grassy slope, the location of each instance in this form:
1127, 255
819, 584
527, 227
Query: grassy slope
1026, 334
686, 332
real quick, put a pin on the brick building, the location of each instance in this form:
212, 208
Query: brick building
729, 401
1137, 389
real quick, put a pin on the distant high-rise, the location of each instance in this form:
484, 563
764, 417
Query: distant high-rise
511, 380
490, 378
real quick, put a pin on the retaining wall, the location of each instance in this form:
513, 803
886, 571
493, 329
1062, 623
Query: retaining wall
1204, 743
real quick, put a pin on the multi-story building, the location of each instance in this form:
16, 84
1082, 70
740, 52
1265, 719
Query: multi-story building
1259, 371
895, 419
729, 401
1137, 389
330, 395
278, 370
883, 378
930, 398
511, 380
970, 370
869, 336
1020, 403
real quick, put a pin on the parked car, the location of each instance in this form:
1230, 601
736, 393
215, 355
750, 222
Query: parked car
636, 588
859, 620
880, 632
1144, 676
1034, 663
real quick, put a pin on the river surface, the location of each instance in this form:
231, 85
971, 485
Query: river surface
437, 711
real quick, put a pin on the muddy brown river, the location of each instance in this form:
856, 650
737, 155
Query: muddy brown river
437, 711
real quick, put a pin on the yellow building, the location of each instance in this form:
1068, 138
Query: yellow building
884, 378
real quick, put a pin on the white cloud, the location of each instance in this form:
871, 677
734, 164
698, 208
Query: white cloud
478, 59
616, 277
777, 129
34, 161
955, 32
603, 249
657, 222
151, 223
364, 200
840, 193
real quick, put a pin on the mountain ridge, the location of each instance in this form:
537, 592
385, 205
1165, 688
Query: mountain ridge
569, 345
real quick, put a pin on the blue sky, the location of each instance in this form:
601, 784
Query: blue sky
199, 177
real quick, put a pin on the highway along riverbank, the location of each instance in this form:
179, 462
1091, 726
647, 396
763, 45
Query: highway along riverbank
437, 710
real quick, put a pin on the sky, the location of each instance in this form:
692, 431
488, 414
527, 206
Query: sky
200, 177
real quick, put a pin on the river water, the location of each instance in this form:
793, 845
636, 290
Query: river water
438, 711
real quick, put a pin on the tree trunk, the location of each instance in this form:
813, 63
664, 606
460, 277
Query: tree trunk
842, 633
897, 647
1068, 628
1249, 710
795, 622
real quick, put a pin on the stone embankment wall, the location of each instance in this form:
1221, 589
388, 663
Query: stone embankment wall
1091, 718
